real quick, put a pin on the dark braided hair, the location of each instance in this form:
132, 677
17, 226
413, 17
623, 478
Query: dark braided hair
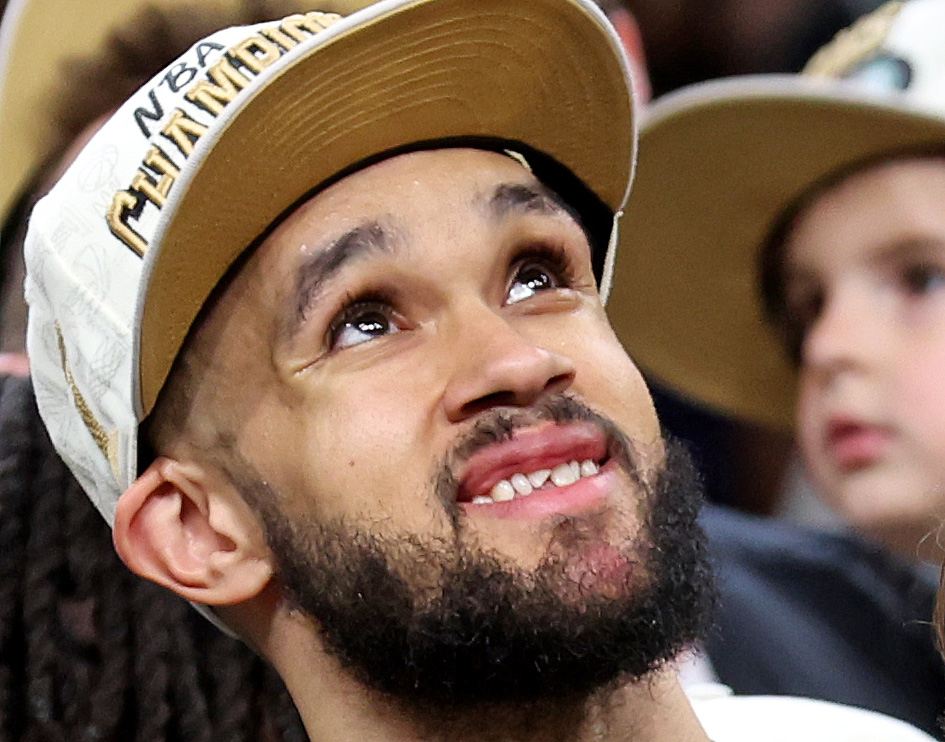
88, 651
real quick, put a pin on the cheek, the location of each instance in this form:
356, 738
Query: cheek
808, 413
612, 383
362, 451
920, 402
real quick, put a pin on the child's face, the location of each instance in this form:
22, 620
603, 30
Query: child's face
865, 283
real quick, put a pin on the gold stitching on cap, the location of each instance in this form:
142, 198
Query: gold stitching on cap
314, 22
107, 444
224, 82
854, 44
122, 204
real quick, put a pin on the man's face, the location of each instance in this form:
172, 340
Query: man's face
389, 315
415, 371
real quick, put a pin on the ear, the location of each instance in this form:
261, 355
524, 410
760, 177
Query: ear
188, 529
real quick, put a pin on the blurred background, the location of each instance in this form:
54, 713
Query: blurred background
691, 40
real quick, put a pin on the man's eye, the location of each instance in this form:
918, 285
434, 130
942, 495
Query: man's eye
361, 322
538, 274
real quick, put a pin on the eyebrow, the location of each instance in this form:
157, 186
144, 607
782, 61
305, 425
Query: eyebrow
373, 237
909, 246
358, 242
523, 198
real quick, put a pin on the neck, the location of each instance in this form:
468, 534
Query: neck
334, 706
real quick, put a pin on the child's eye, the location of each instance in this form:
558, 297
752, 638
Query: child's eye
922, 278
542, 270
360, 322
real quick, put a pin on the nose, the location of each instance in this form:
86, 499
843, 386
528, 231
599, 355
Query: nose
843, 337
495, 364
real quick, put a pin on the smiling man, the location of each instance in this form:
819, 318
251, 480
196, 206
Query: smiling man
423, 446
316, 318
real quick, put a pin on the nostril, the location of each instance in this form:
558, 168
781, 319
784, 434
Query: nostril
560, 382
517, 398
489, 401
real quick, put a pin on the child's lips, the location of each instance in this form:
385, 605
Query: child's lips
854, 445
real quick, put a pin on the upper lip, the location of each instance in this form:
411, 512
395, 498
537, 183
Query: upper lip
841, 428
543, 446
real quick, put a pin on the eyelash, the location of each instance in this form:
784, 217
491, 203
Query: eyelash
353, 306
917, 276
553, 257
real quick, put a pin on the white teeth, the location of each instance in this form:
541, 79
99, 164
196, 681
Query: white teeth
538, 478
563, 475
521, 484
503, 491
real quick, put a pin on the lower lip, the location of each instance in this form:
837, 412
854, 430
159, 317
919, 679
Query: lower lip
588, 493
858, 449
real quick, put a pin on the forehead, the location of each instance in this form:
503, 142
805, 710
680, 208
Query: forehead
871, 210
419, 183
429, 211
429, 197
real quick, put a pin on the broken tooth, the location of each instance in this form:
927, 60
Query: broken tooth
589, 468
537, 478
503, 491
563, 475
521, 484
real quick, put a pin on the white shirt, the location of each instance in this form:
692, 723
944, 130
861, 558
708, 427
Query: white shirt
730, 718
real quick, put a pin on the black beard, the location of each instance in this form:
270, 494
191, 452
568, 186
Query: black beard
439, 626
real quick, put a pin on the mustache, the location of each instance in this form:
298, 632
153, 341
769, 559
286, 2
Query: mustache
500, 424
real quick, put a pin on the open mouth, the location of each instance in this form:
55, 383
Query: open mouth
523, 485
537, 460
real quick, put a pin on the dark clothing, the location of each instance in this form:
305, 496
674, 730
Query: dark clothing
828, 616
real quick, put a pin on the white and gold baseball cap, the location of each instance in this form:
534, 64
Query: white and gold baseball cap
127, 246
720, 161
